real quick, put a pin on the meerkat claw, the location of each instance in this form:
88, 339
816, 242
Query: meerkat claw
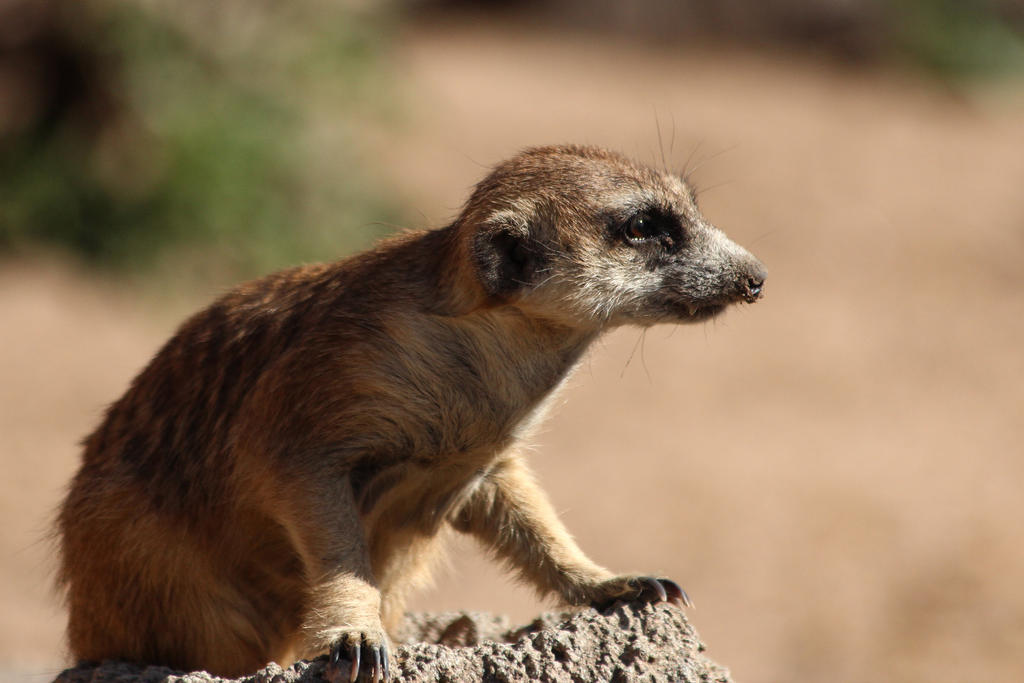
355, 656
366, 662
676, 594
649, 582
343, 650
654, 589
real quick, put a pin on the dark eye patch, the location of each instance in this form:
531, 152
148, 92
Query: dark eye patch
652, 227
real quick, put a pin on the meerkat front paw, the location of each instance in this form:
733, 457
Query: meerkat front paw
359, 656
639, 588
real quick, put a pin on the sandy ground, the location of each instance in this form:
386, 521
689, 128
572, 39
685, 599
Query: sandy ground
833, 474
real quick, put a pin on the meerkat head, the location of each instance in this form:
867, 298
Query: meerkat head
588, 236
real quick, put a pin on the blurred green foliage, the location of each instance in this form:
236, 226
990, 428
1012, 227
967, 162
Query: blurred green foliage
957, 38
183, 132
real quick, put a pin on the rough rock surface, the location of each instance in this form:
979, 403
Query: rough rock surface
629, 642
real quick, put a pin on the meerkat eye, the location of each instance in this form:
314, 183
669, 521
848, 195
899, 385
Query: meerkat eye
640, 227
644, 227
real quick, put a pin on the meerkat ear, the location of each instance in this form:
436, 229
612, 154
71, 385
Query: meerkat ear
506, 257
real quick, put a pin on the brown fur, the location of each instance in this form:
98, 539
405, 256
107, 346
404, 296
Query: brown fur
274, 482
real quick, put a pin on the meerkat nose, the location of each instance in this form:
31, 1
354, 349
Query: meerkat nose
753, 286
753, 289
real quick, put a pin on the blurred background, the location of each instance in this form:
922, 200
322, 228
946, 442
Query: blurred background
834, 474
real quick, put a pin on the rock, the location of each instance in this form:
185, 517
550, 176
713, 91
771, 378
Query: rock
629, 642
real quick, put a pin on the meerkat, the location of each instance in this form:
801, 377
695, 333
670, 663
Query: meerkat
275, 481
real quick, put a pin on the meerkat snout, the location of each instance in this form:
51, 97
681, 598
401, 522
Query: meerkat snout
750, 279
754, 287
753, 276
